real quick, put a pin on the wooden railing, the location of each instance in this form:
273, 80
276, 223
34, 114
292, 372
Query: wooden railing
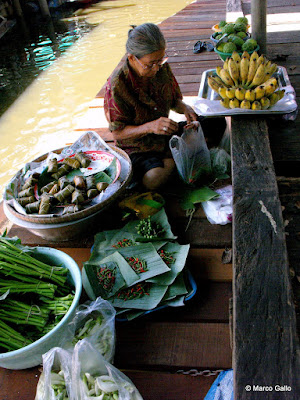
266, 354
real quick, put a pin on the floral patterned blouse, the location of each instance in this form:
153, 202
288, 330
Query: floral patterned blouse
125, 103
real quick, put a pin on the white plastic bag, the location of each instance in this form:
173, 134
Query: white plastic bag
56, 374
92, 376
219, 210
95, 322
190, 153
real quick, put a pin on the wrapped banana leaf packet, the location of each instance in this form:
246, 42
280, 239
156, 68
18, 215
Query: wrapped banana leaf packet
140, 268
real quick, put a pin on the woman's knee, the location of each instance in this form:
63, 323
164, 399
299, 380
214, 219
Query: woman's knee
157, 177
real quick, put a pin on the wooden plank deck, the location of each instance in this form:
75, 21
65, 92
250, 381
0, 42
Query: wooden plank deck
197, 336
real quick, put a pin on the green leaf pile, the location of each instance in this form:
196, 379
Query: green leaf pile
132, 291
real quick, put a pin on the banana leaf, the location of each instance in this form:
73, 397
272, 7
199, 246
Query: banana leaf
146, 252
93, 287
123, 273
160, 218
179, 254
152, 297
106, 243
111, 170
177, 288
178, 301
194, 196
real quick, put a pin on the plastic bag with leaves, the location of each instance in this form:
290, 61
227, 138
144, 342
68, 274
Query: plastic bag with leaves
95, 378
220, 163
55, 382
191, 154
95, 322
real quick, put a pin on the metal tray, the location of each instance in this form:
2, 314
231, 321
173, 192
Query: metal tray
208, 104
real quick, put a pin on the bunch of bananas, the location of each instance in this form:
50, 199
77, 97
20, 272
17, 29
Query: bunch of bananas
246, 82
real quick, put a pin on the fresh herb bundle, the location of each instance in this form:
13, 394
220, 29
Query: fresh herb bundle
34, 295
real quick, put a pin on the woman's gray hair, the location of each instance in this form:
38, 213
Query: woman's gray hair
145, 39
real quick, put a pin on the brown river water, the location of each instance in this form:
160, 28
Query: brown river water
44, 116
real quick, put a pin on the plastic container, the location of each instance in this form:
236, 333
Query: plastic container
31, 355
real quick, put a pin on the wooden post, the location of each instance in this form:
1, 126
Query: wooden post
259, 23
44, 8
266, 358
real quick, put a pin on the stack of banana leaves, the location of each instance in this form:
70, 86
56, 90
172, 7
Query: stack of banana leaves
247, 82
138, 268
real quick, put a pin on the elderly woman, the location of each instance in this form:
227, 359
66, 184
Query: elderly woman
139, 96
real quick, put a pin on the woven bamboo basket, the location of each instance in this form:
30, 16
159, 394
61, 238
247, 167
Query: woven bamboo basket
79, 214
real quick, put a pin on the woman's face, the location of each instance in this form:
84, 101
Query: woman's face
148, 65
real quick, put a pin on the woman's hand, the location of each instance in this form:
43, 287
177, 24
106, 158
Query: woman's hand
183, 108
163, 126
190, 114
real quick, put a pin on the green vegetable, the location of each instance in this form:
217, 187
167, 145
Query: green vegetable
100, 387
22, 313
149, 229
243, 20
98, 327
23, 263
228, 28
10, 339
240, 27
229, 47
241, 34
29, 290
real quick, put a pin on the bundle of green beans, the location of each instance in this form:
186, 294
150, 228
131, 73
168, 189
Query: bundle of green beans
34, 295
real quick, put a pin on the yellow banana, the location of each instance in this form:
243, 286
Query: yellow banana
259, 92
225, 64
234, 71
259, 76
250, 95
222, 92
273, 98
251, 72
261, 59
224, 102
272, 80
245, 104
256, 105
219, 80
246, 54
218, 71
213, 84
270, 71
224, 75
240, 93
269, 88
235, 55
244, 68
265, 103
234, 103
280, 93
271, 68
230, 93
254, 56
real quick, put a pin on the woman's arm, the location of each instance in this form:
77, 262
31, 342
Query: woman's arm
160, 126
183, 108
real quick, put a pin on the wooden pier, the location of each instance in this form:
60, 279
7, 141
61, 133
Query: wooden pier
255, 332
